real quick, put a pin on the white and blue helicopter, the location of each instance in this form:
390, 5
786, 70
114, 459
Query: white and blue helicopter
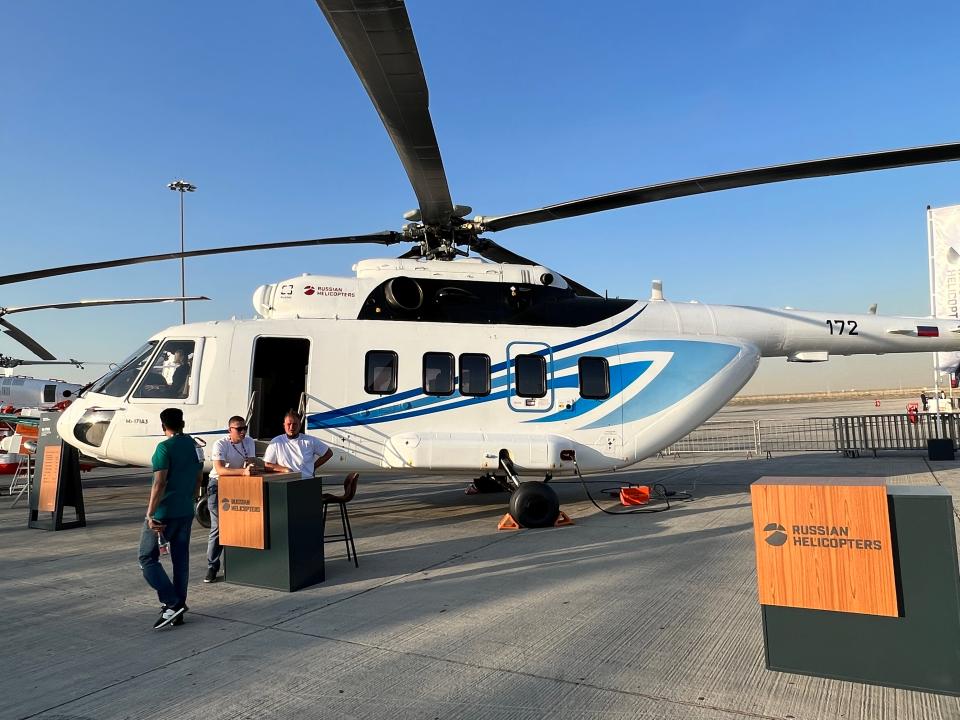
491, 364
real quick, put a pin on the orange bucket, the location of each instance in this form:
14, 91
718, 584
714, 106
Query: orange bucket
639, 495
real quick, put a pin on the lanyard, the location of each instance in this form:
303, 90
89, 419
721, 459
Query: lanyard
243, 455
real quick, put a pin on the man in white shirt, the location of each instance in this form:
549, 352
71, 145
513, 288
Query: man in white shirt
232, 455
294, 452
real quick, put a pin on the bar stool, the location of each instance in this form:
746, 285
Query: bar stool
349, 491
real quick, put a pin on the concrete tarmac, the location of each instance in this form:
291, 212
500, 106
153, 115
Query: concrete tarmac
641, 616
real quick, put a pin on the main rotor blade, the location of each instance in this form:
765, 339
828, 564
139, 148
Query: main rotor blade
11, 362
28, 342
377, 38
387, 237
726, 181
497, 253
96, 303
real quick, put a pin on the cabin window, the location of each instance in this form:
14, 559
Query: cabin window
594, 378
169, 376
530, 375
119, 380
438, 373
381, 372
474, 374
49, 393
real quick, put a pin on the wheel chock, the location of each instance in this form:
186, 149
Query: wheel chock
508, 523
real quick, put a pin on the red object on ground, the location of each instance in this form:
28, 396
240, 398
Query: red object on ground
635, 495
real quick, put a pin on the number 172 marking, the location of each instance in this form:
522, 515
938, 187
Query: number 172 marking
837, 327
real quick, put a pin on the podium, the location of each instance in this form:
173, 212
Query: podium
859, 581
270, 530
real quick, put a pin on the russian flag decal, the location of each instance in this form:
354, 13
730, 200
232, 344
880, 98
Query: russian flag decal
928, 331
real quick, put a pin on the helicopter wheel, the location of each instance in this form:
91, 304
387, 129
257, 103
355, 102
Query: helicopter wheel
534, 505
202, 512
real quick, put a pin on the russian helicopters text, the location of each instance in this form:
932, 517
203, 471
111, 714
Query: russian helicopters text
431, 363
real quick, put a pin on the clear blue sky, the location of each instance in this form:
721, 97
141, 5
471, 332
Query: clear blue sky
104, 103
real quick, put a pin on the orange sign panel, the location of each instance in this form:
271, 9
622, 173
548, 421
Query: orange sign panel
824, 544
49, 478
242, 513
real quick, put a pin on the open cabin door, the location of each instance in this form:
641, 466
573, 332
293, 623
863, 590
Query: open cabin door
280, 367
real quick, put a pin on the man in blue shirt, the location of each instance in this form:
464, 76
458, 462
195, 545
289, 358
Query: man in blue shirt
177, 469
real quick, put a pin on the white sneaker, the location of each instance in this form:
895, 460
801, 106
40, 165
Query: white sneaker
167, 616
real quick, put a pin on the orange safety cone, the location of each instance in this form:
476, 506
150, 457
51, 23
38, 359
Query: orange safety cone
507, 523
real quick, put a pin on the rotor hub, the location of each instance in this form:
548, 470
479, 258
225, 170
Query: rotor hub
441, 241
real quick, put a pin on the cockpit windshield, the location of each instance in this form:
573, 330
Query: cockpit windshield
119, 380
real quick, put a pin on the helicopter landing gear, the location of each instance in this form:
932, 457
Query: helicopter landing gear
535, 505
532, 504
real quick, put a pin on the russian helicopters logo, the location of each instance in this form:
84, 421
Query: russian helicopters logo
777, 534
239, 505
327, 291
818, 536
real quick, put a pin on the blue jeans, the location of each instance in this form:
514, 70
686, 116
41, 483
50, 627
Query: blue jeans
214, 549
177, 532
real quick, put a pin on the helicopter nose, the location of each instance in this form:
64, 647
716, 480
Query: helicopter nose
68, 419
84, 426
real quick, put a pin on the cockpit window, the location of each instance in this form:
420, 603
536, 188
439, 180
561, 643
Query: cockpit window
119, 380
169, 376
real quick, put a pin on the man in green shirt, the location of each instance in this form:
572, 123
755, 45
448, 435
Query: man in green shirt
177, 469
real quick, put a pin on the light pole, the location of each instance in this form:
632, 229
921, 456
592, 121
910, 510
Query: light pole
182, 186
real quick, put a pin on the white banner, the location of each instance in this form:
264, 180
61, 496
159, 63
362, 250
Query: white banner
944, 231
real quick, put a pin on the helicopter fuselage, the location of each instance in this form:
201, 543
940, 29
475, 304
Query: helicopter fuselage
391, 383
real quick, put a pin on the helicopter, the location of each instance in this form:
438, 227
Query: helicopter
462, 356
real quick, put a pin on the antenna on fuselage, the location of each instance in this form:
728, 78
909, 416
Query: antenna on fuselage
656, 290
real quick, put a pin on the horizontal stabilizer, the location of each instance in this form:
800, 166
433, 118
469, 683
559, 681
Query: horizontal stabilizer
808, 356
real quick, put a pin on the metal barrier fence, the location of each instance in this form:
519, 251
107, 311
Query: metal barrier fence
740, 436
849, 435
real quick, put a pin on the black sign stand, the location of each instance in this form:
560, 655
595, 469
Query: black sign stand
69, 491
